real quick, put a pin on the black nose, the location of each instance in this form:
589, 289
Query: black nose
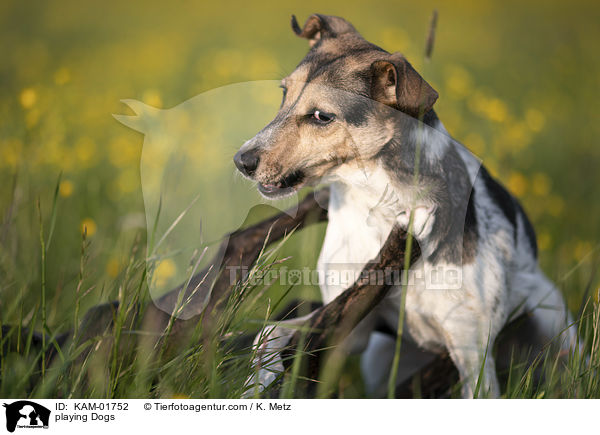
246, 162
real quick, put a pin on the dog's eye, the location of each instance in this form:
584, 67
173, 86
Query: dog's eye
322, 117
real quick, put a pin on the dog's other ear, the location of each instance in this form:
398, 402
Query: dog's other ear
319, 27
395, 82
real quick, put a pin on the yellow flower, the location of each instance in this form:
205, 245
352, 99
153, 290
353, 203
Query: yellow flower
517, 184
88, 226
65, 189
164, 271
496, 110
152, 98
113, 267
540, 184
28, 98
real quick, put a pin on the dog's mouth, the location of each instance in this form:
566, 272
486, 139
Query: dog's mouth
284, 187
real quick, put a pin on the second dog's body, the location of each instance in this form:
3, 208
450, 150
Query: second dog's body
348, 118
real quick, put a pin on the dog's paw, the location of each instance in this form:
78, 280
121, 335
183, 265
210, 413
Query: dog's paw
268, 362
422, 221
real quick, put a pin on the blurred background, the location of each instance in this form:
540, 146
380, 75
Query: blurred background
518, 85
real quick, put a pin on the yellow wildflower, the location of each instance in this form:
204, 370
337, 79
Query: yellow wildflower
89, 226
28, 98
496, 110
113, 267
517, 184
164, 271
66, 188
152, 98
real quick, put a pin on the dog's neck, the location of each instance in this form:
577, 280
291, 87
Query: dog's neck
431, 119
382, 191
393, 167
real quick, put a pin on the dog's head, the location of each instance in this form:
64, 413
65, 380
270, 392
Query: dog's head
338, 107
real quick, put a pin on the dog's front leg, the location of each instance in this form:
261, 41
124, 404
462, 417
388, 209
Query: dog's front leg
475, 365
347, 320
268, 346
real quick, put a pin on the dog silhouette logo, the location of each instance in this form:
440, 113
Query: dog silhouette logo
26, 414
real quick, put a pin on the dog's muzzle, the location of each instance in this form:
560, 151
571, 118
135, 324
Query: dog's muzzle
246, 162
284, 187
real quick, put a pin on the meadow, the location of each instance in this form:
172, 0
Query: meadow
518, 85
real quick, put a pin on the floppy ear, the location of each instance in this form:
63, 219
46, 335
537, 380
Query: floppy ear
319, 27
395, 82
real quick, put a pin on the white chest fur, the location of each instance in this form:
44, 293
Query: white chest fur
363, 208
361, 216
354, 236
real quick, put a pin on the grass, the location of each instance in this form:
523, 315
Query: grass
113, 362
516, 88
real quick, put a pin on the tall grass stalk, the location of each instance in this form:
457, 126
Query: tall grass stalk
409, 239
78, 295
43, 289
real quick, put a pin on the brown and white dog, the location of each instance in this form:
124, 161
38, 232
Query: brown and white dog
362, 120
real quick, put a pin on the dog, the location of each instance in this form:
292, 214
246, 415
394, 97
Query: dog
362, 120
